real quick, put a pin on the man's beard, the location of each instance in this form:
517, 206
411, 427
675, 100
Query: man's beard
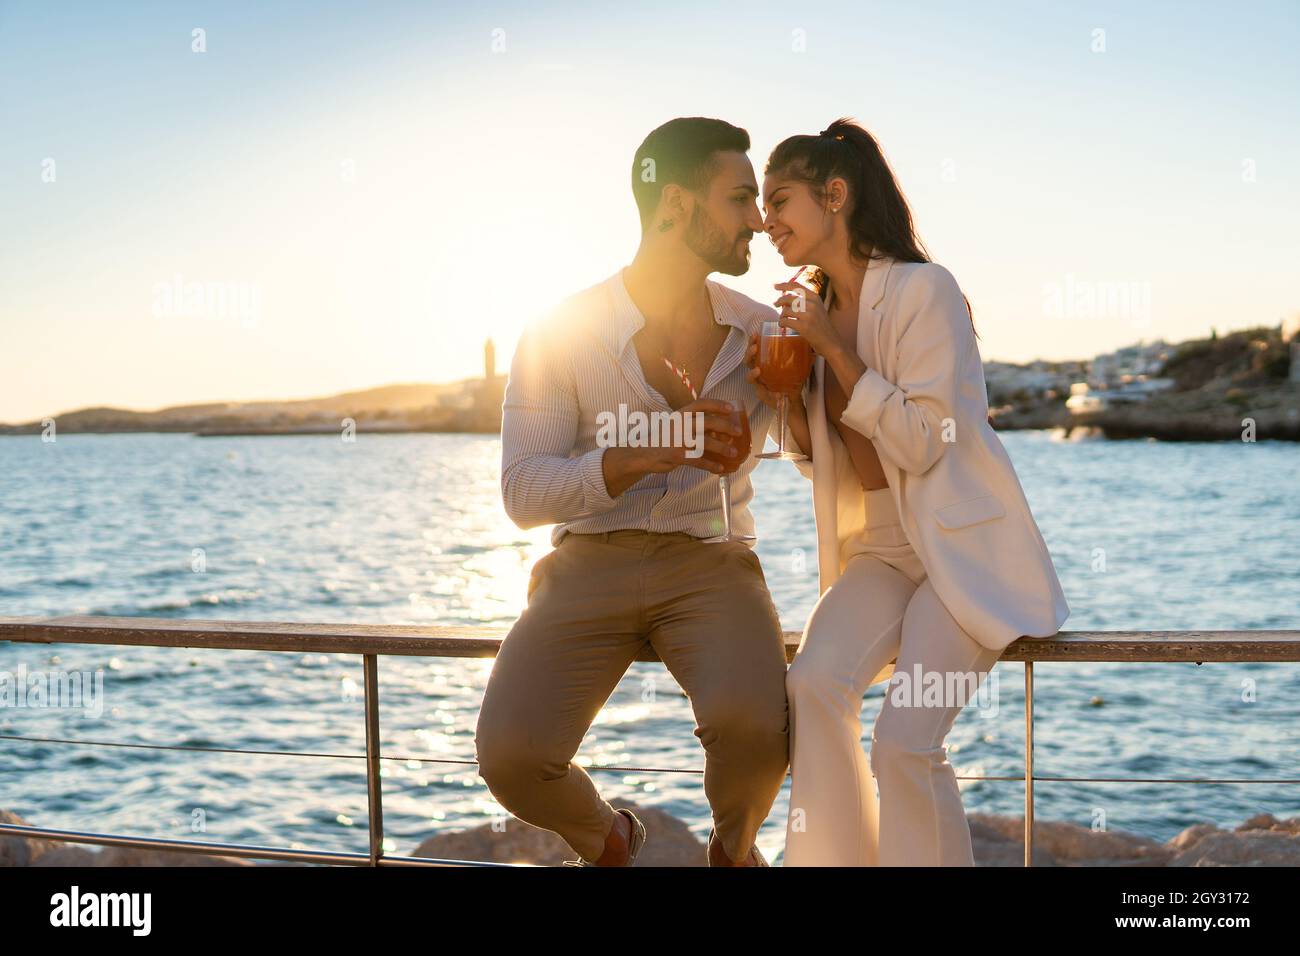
706, 240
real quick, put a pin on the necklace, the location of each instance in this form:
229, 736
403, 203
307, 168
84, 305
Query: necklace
679, 369
692, 357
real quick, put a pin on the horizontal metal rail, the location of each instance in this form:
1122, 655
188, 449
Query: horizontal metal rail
475, 640
241, 850
593, 768
374, 640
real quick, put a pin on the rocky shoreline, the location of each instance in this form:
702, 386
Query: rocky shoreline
1243, 386
1262, 840
1187, 416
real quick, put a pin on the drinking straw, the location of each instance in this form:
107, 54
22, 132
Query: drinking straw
784, 330
681, 374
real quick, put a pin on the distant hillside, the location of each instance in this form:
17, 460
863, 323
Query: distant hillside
1249, 358
1221, 385
455, 406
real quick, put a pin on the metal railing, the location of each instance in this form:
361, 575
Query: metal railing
372, 641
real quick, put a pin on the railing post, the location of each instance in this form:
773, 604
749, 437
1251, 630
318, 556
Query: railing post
1029, 763
374, 788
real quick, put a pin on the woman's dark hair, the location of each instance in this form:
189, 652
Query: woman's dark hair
880, 222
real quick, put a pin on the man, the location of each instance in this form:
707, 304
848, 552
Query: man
629, 568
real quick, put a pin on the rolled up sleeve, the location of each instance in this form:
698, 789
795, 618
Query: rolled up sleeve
906, 418
542, 481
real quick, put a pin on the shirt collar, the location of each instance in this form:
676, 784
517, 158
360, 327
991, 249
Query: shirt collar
625, 319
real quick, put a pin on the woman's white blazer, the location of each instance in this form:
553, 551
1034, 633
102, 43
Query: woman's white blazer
925, 410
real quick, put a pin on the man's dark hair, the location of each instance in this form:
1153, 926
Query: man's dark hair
682, 151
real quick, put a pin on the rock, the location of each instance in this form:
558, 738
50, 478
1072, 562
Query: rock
517, 842
68, 855
21, 851
669, 842
131, 856
25, 851
995, 845
1064, 844
1263, 840
1195, 832
1266, 821
1242, 847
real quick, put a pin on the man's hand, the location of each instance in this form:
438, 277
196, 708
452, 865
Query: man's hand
623, 467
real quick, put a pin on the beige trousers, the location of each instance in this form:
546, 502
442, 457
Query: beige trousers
881, 606
593, 604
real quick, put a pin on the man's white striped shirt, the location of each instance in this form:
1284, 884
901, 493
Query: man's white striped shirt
580, 361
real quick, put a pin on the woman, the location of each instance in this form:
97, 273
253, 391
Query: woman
930, 561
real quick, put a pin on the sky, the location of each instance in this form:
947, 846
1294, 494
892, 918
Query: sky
349, 195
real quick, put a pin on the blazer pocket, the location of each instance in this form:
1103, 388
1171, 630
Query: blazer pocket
969, 512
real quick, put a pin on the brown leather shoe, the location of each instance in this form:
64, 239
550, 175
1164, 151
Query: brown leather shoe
753, 858
635, 840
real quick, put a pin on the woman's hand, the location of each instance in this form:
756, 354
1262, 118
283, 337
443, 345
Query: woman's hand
803, 311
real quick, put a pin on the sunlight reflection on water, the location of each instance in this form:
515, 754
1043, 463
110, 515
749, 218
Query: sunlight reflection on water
410, 529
